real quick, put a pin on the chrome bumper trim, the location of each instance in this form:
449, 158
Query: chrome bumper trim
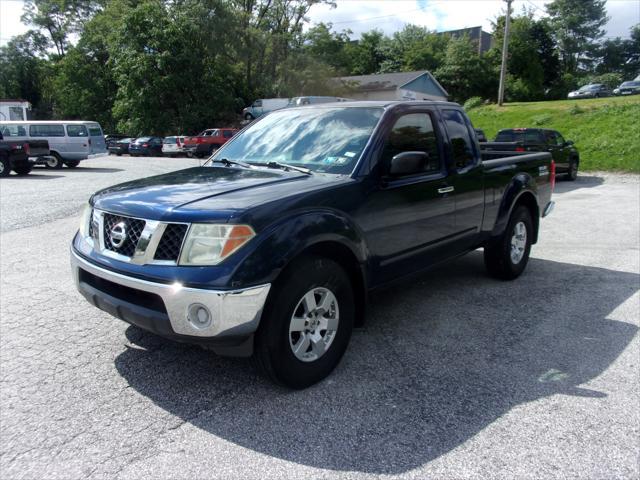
234, 312
548, 209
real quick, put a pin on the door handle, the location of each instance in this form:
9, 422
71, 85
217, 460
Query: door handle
446, 190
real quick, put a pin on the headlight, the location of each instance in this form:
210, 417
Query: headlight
209, 244
85, 218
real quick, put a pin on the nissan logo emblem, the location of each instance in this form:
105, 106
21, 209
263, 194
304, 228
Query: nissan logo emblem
118, 234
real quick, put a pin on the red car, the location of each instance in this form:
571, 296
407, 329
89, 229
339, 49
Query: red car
208, 141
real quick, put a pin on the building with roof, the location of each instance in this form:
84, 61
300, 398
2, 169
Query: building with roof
14, 109
419, 85
480, 38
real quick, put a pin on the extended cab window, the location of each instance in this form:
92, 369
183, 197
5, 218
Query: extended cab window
413, 133
462, 148
46, 130
77, 131
227, 134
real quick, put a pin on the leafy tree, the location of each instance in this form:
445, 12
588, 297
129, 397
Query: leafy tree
328, 47
413, 48
577, 25
59, 18
367, 53
464, 73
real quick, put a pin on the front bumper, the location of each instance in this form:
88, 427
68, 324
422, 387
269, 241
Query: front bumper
164, 309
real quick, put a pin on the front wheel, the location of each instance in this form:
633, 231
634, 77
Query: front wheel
507, 256
72, 164
307, 323
572, 174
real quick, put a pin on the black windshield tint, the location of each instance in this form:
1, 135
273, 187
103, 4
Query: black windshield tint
326, 140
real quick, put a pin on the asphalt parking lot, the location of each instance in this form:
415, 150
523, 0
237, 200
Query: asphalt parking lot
455, 375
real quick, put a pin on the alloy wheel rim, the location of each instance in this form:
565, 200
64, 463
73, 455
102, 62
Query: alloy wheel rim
314, 323
518, 242
1, 167
52, 162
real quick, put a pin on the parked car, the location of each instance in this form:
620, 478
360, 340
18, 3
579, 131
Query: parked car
273, 247
628, 88
70, 141
480, 134
120, 147
146, 147
207, 142
564, 152
19, 155
300, 101
173, 146
262, 106
594, 90
114, 137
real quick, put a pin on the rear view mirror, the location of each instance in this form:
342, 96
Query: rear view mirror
408, 163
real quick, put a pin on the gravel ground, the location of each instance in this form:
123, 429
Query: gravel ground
454, 376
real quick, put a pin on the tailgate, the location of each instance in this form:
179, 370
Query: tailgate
38, 148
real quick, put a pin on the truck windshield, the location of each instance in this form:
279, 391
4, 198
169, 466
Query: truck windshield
326, 140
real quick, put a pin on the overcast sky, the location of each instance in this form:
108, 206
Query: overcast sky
391, 15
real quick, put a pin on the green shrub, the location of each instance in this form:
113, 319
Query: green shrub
540, 120
576, 110
473, 102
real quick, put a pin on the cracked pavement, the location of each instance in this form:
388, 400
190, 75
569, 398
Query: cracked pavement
455, 375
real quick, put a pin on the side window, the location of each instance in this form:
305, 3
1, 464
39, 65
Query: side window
461, 144
77, 131
227, 134
532, 137
46, 130
16, 113
559, 140
257, 103
550, 138
14, 131
413, 133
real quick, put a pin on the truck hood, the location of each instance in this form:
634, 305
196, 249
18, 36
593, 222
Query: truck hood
207, 193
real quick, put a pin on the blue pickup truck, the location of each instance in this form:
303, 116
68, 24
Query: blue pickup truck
272, 248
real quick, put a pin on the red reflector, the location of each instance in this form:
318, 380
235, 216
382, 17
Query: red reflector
26, 148
552, 175
520, 149
145, 144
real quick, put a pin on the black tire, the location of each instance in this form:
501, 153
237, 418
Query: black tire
72, 164
23, 169
5, 167
572, 174
54, 161
273, 353
119, 154
497, 253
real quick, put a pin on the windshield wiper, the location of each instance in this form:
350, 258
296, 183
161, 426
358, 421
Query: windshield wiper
286, 167
227, 163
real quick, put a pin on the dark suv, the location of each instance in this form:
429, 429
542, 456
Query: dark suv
563, 151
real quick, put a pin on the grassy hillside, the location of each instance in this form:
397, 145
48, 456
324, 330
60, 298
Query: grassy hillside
606, 130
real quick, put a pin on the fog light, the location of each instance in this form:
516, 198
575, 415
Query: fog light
199, 315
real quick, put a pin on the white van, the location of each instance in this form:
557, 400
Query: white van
70, 141
262, 106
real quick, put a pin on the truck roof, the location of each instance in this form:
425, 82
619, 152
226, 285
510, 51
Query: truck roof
381, 103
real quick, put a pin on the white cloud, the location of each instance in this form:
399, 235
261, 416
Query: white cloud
10, 25
391, 15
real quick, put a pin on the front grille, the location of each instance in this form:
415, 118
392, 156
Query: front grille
133, 230
169, 246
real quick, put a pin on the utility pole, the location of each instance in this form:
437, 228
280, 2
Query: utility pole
505, 53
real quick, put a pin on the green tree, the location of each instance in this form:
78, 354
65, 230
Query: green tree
464, 73
58, 19
577, 25
366, 53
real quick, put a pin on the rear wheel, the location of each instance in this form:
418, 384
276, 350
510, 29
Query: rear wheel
54, 161
5, 167
72, 164
23, 169
507, 256
572, 174
307, 323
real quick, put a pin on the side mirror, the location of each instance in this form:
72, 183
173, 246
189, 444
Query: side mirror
408, 163
568, 143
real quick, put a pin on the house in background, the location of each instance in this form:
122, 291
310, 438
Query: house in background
17, 109
420, 85
482, 40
